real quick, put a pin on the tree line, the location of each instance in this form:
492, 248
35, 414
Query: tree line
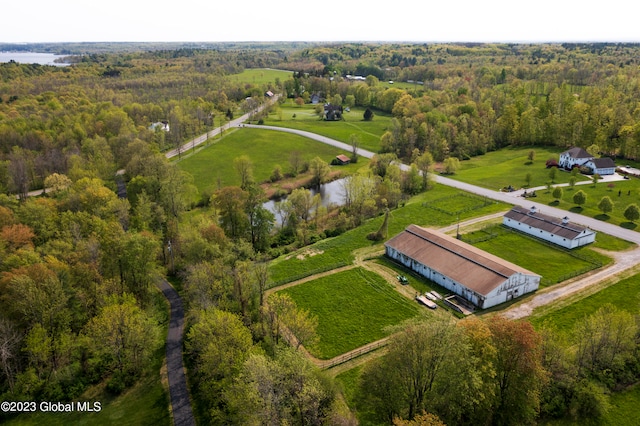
481, 98
502, 372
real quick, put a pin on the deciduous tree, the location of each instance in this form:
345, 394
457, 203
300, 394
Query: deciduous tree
605, 205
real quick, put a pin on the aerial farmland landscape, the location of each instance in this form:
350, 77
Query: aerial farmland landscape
273, 231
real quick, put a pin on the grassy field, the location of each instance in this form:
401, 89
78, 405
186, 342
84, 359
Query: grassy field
553, 264
510, 166
261, 75
306, 119
624, 294
212, 167
353, 307
339, 251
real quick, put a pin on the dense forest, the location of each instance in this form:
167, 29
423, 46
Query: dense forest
78, 266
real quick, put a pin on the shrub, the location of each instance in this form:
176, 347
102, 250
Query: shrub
551, 162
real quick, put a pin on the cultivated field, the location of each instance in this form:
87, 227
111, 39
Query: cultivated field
259, 76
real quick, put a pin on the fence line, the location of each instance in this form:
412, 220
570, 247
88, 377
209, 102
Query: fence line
341, 359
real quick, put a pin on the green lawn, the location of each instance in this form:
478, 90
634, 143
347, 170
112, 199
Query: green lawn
261, 75
306, 119
353, 308
338, 251
553, 264
622, 193
213, 167
510, 166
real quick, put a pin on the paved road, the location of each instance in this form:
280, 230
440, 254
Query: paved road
178, 391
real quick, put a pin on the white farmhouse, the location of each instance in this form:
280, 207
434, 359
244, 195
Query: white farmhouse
479, 277
549, 228
162, 125
580, 157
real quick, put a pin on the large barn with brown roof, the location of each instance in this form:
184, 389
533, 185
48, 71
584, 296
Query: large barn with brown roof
558, 231
481, 278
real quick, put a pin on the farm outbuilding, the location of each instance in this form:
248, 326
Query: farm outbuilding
549, 228
479, 277
342, 159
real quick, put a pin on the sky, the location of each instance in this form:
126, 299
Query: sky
32, 21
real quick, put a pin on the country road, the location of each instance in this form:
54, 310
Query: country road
178, 390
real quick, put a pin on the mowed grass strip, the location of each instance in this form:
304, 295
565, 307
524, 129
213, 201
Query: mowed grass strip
553, 264
624, 295
213, 166
353, 308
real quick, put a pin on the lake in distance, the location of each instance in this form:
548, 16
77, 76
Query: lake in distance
31, 58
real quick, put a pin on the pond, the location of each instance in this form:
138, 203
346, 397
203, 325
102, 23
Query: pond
331, 193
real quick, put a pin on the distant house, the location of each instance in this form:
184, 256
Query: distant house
315, 99
549, 228
579, 157
479, 277
332, 112
343, 159
268, 94
162, 125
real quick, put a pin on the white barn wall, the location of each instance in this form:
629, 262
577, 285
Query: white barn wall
513, 287
586, 237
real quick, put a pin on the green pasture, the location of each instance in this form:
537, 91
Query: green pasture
260, 76
339, 251
510, 166
553, 263
306, 119
622, 193
213, 168
354, 307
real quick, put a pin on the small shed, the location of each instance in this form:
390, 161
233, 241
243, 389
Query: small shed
343, 159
